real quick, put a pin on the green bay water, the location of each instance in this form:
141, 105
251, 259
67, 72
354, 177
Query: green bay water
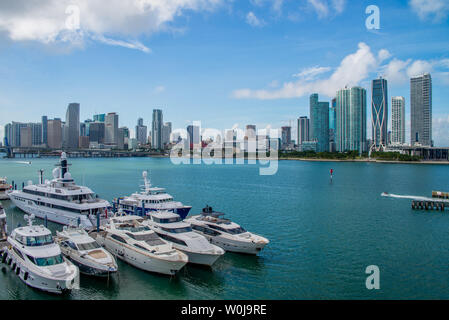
323, 234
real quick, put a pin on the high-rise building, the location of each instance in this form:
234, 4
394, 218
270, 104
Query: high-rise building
99, 117
193, 135
421, 110
303, 130
25, 136
36, 133
166, 133
96, 132
111, 128
351, 120
8, 135
54, 134
141, 132
332, 125
44, 130
72, 120
319, 123
15, 133
398, 120
122, 132
286, 137
156, 130
379, 113
250, 138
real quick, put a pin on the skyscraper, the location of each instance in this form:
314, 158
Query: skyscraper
8, 135
72, 120
398, 120
332, 125
351, 120
156, 130
111, 128
99, 117
166, 133
54, 134
96, 132
286, 139
44, 129
421, 110
303, 130
379, 109
141, 132
319, 123
193, 135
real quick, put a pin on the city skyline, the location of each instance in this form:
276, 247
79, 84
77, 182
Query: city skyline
254, 78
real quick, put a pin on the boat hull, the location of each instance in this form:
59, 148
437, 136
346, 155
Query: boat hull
206, 259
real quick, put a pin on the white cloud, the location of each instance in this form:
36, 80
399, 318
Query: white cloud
324, 7
253, 21
45, 21
159, 89
440, 130
352, 70
425, 9
312, 73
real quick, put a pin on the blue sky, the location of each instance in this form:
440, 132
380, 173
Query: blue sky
220, 62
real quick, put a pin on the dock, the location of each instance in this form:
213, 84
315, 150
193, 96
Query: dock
439, 200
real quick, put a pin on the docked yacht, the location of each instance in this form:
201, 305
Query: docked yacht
37, 260
3, 225
151, 199
85, 252
170, 227
225, 233
129, 240
61, 200
4, 189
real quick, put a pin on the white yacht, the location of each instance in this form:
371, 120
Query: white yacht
225, 233
85, 252
61, 200
4, 189
129, 240
37, 260
3, 225
151, 199
170, 227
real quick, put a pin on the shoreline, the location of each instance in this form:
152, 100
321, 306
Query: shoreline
365, 160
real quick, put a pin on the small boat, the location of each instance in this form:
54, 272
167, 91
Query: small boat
85, 252
225, 233
151, 199
4, 189
37, 260
129, 240
170, 227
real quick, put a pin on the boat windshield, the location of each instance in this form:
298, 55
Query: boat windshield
135, 229
238, 230
151, 238
49, 261
88, 246
168, 220
37, 241
178, 230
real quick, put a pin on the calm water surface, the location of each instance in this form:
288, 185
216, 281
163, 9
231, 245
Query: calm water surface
323, 235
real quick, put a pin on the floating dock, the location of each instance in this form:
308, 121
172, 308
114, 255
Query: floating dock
439, 200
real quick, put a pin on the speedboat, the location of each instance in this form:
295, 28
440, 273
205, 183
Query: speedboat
4, 189
129, 240
37, 260
225, 233
151, 199
3, 225
170, 227
61, 200
85, 252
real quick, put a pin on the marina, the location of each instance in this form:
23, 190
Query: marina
311, 243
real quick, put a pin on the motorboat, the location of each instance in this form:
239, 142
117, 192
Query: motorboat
226, 234
151, 199
61, 200
170, 227
129, 240
37, 260
85, 252
3, 224
4, 189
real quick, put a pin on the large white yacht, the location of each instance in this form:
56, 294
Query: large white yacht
126, 238
61, 200
151, 199
170, 227
225, 233
37, 260
85, 252
3, 225
4, 189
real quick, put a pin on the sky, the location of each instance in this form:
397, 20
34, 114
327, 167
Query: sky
225, 63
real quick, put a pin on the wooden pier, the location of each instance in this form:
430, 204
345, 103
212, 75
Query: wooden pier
438, 202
